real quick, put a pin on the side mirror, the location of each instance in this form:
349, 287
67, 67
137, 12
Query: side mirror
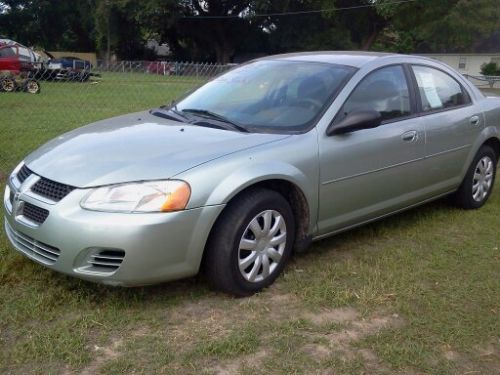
356, 120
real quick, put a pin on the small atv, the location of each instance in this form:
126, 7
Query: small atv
9, 83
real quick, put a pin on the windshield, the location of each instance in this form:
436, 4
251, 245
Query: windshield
270, 95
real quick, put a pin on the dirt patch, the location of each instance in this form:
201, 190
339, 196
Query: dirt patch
279, 306
253, 360
340, 315
356, 330
103, 354
317, 352
195, 318
483, 359
340, 342
451, 355
368, 355
490, 350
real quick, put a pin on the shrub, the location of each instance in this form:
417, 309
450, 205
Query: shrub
490, 69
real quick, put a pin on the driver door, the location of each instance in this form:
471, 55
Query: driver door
368, 173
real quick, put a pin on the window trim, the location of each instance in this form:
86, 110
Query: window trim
420, 111
413, 106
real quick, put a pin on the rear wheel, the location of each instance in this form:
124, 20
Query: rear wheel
478, 182
250, 243
8, 84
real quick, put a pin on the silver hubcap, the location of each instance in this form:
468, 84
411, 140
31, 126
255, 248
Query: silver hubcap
262, 246
483, 177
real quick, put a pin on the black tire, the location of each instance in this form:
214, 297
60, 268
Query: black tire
464, 196
223, 254
32, 86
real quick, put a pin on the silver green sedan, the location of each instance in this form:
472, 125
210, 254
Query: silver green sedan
252, 166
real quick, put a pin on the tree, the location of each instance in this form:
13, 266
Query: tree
51, 25
222, 29
118, 28
440, 26
221, 35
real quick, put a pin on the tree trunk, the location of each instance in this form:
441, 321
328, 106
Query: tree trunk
222, 54
368, 42
223, 48
108, 40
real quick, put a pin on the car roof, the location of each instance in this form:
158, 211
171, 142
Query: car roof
352, 58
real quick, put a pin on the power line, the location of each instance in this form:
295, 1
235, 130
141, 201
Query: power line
301, 12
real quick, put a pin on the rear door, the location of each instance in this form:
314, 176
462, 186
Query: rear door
368, 173
9, 59
451, 122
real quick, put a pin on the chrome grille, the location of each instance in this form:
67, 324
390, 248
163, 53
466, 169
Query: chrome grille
36, 214
106, 260
34, 249
23, 173
51, 189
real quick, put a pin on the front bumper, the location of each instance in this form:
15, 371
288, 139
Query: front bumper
157, 247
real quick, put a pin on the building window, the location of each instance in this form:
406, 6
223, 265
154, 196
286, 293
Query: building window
462, 62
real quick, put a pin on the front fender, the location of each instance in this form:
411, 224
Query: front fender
294, 159
243, 178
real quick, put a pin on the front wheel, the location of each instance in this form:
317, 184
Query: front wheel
250, 243
32, 86
478, 182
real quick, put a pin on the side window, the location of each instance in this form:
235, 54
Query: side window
384, 90
24, 54
437, 89
7, 52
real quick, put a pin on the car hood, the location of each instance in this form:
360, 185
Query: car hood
135, 147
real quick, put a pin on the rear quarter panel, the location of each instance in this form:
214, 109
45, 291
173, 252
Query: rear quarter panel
490, 107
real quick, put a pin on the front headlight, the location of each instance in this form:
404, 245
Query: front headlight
150, 196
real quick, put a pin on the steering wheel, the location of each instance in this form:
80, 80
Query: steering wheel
309, 103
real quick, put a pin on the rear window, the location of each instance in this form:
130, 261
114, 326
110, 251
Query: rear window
438, 90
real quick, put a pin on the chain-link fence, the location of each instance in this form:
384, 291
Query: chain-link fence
484, 82
74, 93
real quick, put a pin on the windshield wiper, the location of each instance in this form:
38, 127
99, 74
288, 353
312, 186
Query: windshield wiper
215, 116
167, 111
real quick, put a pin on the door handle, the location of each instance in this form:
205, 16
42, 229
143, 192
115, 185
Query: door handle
410, 136
474, 120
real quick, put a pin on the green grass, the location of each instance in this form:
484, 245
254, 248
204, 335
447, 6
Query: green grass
415, 292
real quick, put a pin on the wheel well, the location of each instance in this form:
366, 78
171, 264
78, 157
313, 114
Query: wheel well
494, 143
298, 203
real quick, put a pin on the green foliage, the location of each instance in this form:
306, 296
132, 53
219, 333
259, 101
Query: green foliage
51, 25
209, 30
490, 69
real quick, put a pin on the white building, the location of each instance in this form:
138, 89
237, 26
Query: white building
466, 63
